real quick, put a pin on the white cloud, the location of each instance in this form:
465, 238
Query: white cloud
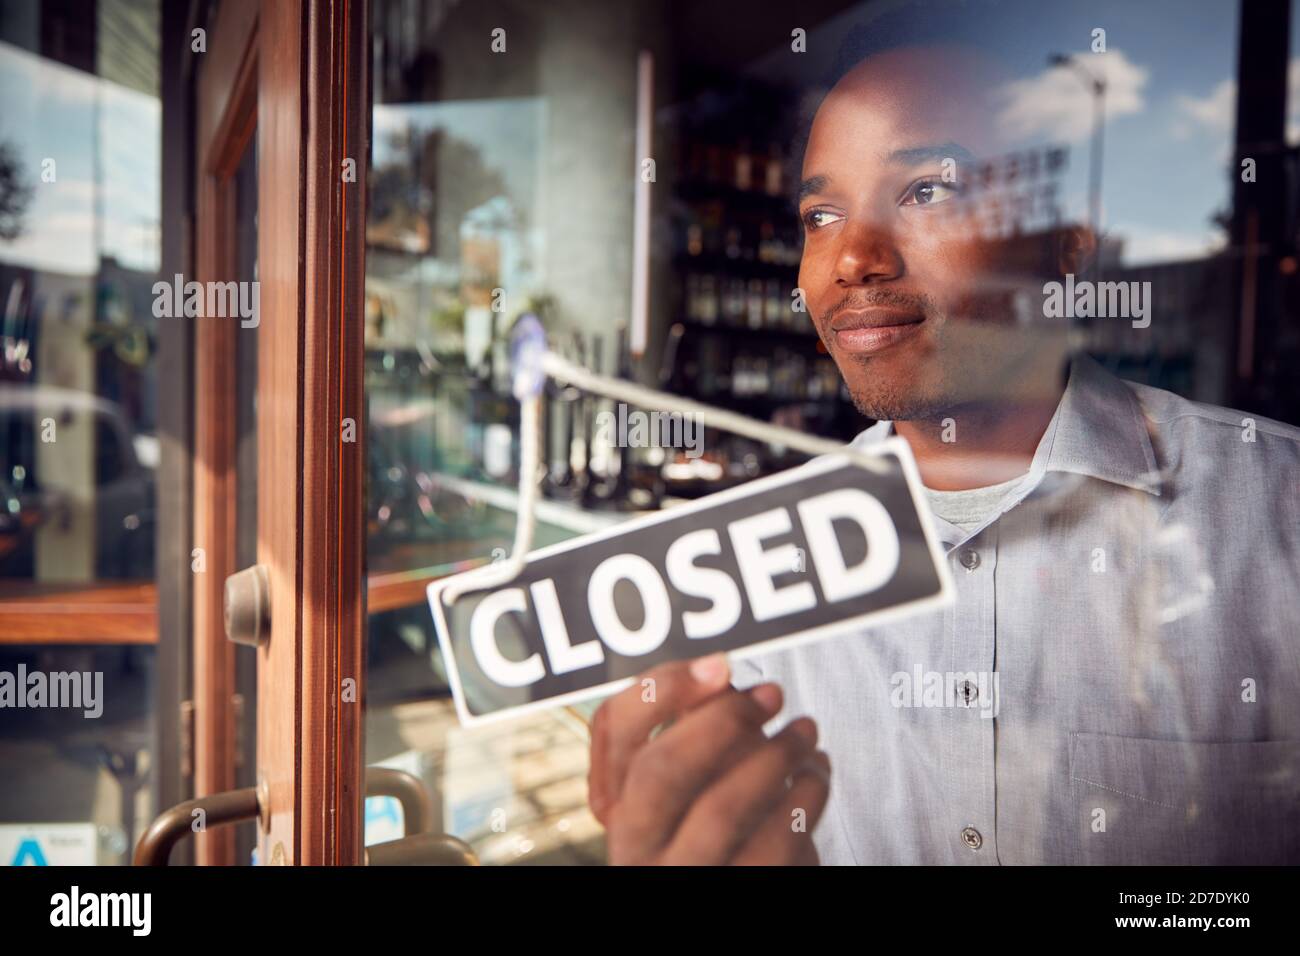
1213, 113
1056, 104
52, 85
1144, 245
1216, 112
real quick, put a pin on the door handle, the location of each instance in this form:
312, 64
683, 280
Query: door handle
235, 806
246, 606
410, 793
417, 848
423, 849
171, 826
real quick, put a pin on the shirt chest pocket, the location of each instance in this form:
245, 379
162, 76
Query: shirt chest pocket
1159, 802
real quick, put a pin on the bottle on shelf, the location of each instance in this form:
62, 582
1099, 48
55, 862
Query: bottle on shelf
744, 166
733, 246
708, 299
772, 303
773, 178
754, 304
694, 238
766, 243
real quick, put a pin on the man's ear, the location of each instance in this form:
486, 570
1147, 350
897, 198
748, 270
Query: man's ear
1076, 246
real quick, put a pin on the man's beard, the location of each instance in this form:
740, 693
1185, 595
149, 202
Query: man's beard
971, 353
883, 402
896, 401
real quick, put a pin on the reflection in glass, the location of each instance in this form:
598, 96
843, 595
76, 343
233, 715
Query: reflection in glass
79, 252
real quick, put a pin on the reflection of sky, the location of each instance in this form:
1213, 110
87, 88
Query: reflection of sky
1170, 66
1168, 125
49, 112
506, 132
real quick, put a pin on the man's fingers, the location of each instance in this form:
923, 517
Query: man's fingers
722, 820
681, 762
785, 837
624, 722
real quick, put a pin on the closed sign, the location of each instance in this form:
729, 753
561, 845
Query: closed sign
816, 551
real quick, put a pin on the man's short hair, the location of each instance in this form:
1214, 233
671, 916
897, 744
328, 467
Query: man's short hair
890, 25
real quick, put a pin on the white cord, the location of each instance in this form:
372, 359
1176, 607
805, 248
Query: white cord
504, 571
562, 370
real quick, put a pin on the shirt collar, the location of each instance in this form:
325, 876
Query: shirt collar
1099, 430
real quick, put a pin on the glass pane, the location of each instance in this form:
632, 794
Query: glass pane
79, 253
472, 214
1083, 222
244, 185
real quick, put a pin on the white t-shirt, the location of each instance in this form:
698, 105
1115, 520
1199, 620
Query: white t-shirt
967, 509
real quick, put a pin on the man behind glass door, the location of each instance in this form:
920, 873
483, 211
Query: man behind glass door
1126, 628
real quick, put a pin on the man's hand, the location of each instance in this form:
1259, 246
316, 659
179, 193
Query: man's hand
709, 788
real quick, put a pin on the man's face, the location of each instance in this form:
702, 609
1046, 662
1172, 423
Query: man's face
909, 301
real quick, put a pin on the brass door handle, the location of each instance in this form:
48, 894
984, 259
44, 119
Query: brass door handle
171, 826
409, 791
235, 806
423, 849
417, 848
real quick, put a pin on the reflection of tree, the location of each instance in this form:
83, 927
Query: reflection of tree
14, 194
418, 200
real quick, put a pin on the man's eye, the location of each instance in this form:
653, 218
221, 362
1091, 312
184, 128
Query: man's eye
816, 218
930, 191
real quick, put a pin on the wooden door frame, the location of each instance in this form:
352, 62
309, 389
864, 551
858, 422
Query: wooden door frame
225, 120
293, 73
312, 102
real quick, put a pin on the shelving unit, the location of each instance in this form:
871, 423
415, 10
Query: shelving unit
735, 265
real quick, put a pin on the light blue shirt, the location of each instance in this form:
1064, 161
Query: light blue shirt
1118, 680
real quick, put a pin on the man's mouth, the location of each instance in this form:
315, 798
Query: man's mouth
874, 329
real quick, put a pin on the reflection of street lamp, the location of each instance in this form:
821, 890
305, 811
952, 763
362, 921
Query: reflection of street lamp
1098, 88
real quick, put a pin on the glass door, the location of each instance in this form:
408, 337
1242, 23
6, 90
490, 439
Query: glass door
274, 293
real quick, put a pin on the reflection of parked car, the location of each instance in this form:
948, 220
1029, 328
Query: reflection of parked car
122, 492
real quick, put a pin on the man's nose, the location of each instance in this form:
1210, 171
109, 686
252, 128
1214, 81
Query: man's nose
867, 253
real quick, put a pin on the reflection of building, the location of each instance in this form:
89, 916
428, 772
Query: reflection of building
1265, 341
80, 345
491, 252
1186, 347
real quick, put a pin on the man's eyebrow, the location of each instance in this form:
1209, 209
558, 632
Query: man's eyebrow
810, 186
916, 155
911, 156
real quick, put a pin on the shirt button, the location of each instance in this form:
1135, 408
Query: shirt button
970, 559
967, 692
971, 837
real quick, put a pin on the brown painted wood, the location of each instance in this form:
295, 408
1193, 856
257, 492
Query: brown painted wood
311, 112
127, 612
333, 527
114, 612
279, 238
225, 120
